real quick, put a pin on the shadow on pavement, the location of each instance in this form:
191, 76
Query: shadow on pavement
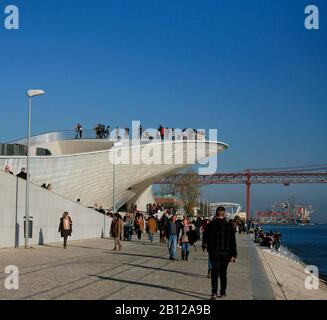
137, 255
143, 284
194, 275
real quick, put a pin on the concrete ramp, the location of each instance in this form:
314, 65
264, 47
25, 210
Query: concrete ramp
46, 208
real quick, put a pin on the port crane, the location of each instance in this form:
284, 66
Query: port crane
311, 174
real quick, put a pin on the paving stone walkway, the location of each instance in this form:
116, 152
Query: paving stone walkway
89, 269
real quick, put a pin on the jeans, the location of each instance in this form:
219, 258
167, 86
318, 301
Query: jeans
219, 262
209, 265
128, 232
66, 234
185, 249
172, 245
150, 236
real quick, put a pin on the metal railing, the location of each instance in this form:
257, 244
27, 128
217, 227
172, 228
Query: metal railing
113, 135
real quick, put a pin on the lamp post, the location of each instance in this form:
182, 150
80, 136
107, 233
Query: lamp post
30, 94
116, 144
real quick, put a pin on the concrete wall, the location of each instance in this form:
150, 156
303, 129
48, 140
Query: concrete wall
46, 208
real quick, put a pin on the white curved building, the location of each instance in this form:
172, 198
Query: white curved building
89, 169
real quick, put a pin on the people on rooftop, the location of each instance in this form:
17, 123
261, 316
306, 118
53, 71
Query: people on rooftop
8, 169
78, 131
22, 174
102, 131
164, 133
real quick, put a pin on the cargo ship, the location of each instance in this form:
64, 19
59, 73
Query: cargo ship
286, 212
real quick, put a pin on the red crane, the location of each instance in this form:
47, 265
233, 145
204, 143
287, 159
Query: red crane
285, 176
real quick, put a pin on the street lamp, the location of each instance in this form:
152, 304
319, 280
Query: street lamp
116, 144
30, 94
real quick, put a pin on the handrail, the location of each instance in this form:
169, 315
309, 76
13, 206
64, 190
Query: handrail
58, 135
91, 134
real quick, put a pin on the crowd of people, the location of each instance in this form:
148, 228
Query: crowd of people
174, 232
218, 238
102, 131
270, 239
218, 234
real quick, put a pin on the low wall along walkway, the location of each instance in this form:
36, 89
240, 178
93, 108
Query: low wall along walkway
46, 208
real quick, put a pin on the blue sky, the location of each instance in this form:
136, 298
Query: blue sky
248, 68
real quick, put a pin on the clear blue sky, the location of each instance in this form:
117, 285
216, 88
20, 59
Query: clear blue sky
248, 68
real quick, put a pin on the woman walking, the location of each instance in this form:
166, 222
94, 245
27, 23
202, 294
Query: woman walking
184, 239
65, 227
128, 227
139, 225
151, 227
117, 231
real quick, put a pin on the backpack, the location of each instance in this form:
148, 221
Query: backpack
192, 237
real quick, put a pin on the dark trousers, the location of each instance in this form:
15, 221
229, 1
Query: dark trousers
219, 263
66, 234
139, 234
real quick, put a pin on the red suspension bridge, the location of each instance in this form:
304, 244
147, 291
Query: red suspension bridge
286, 176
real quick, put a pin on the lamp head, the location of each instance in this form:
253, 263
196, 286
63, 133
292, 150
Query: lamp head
33, 93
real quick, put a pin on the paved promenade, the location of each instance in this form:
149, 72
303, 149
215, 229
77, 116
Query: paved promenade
89, 269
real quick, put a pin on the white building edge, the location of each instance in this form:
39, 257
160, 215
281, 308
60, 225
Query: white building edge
83, 168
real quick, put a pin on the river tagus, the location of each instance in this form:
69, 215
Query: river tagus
308, 242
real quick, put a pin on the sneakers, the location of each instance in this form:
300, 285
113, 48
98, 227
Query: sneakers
214, 296
173, 259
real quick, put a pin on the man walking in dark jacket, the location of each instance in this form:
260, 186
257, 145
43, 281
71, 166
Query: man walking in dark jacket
219, 239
